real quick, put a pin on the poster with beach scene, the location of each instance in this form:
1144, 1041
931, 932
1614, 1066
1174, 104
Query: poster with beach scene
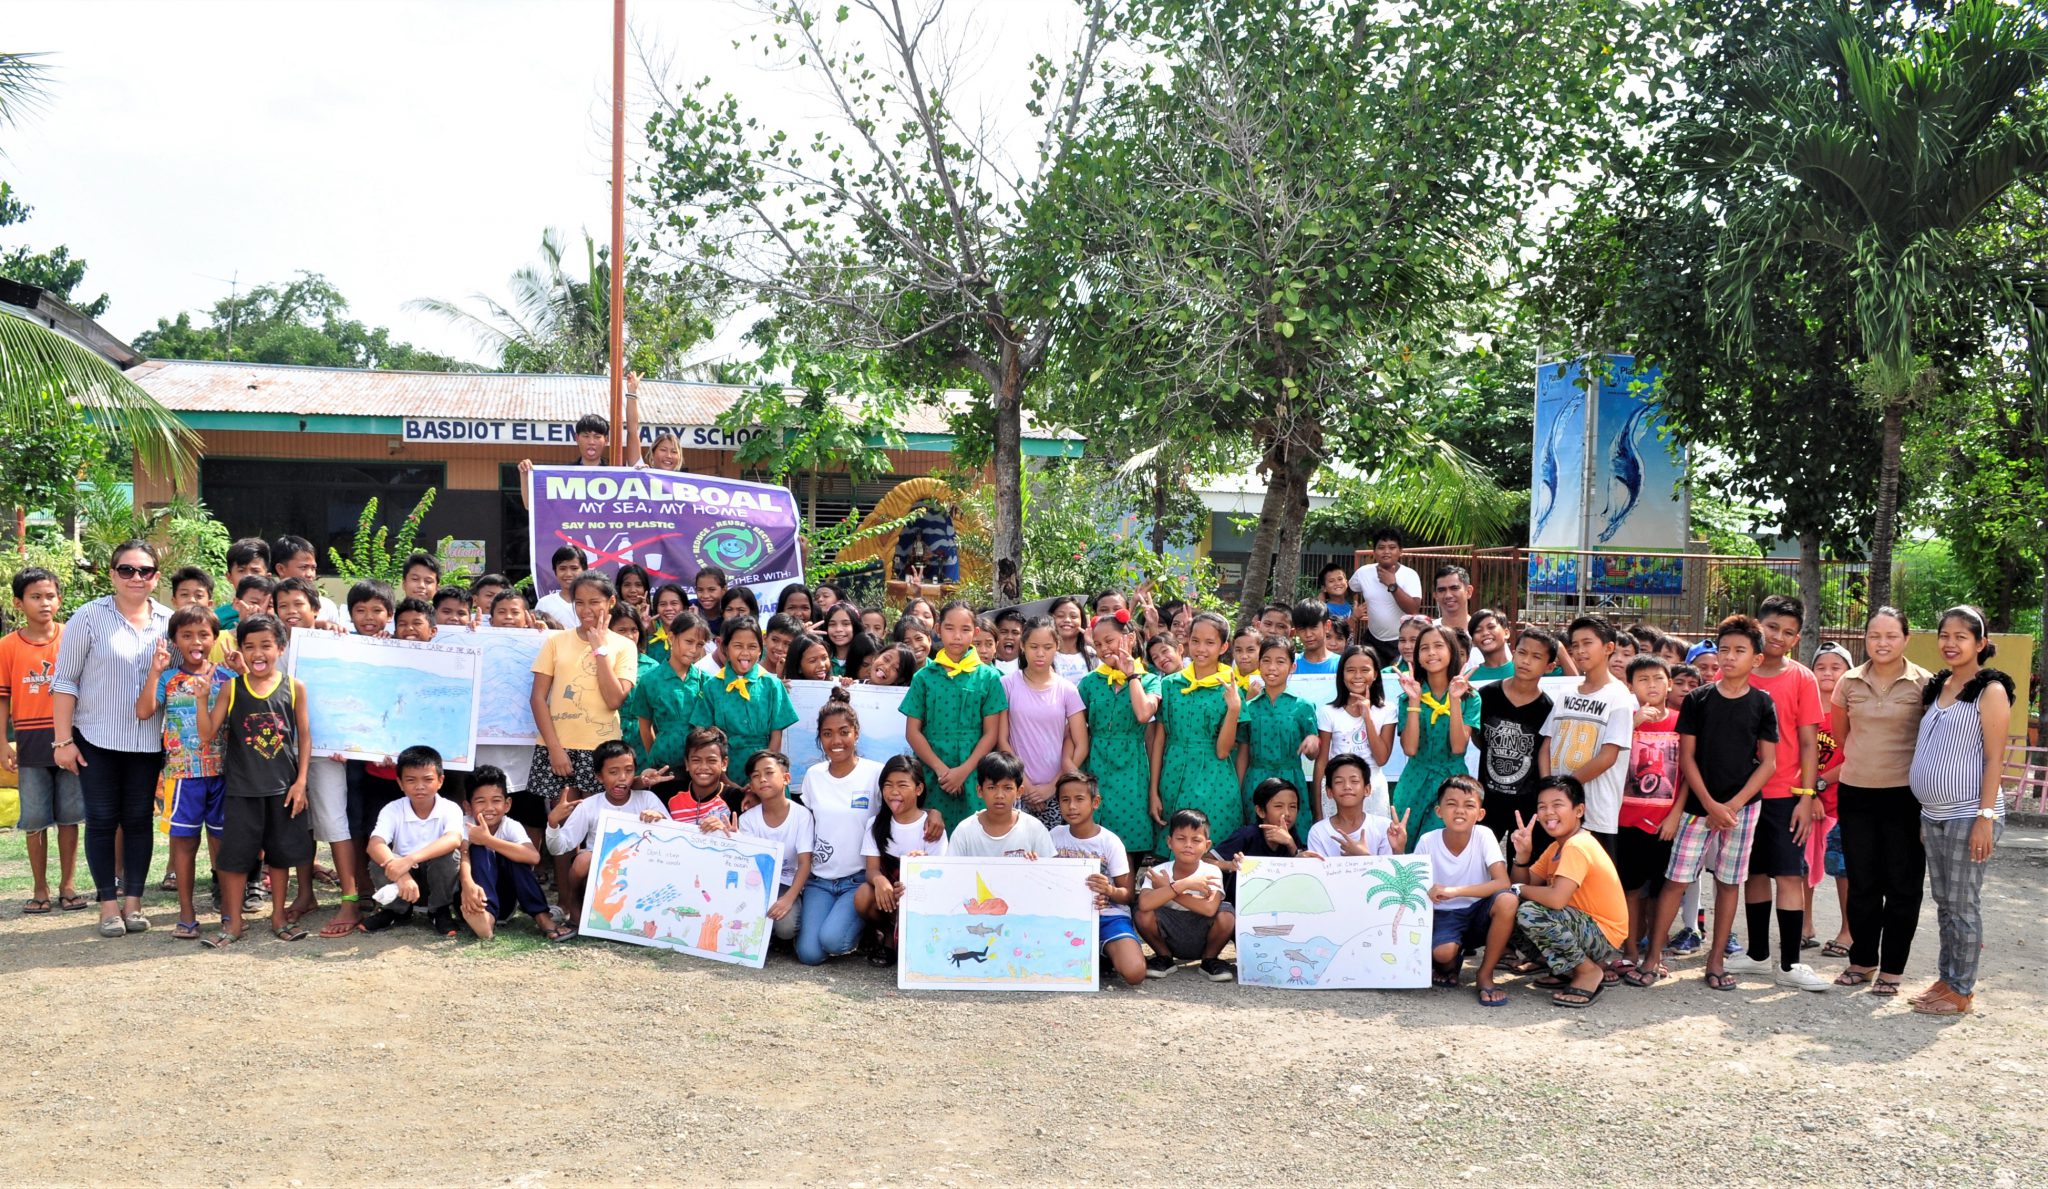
369, 697
997, 925
673, 886
1342, 923
504, 711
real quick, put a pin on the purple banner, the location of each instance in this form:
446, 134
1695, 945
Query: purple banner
669, 523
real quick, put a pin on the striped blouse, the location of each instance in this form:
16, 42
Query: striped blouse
1948, 760
102, 661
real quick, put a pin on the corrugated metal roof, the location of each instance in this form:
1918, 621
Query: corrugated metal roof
201, 386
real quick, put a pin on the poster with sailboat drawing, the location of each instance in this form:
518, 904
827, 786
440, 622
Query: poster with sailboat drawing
997, 925
1355, 921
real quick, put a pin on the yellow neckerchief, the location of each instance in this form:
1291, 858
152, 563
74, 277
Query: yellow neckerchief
738, 682
1222, 674
957, 668
1436, 709
1115, 677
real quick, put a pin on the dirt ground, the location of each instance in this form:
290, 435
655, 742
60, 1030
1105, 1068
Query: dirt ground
405, 1060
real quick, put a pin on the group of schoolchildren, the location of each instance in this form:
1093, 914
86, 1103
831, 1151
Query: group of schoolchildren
1153, 739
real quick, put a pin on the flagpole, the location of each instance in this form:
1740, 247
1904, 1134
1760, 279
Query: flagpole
618, 271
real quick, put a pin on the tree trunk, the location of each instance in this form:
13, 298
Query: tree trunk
1159, 507
1006, 553
1809, 593
1301, 468
1886, 528
1258, 568
811, 513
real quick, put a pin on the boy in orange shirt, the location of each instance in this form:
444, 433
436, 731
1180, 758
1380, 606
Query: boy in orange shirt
50, 796
1573, 912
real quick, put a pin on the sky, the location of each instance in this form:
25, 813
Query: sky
404, 150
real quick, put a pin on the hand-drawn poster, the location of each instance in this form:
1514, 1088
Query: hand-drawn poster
504, 712
997, 925
673, 886
369, 697
880, 708
1324, 924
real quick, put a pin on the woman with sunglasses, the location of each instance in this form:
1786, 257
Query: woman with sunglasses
102, 662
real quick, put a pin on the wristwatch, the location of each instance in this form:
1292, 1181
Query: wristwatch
1515, 890
1989, 815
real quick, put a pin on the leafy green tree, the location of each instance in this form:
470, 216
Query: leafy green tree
837, 412
302, 321
55, 271
1882, 136
907, 231
1284, 208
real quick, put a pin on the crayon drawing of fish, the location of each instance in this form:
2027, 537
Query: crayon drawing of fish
1625, 468
1547, 469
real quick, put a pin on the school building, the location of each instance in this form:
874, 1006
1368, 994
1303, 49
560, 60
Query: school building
287, 449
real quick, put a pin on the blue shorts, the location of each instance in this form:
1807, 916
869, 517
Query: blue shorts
1833, 861
49, 797
197, 801
1114, 928
1467, 926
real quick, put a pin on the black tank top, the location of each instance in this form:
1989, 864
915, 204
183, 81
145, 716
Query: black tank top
262, 740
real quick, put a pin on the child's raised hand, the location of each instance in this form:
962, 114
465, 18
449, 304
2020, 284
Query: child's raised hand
1230, 697
232, 660
479, 834
1459, 688
1276, 835
1521, 837
1410, 686
160, 659
650, 777
1397, 832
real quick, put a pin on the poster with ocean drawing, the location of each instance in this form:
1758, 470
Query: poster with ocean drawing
997, 925
882, 732
504, 711
673, 886
1342, 923
368, 697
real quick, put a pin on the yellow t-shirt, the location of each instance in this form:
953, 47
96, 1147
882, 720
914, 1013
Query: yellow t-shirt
1598, 894
582, 720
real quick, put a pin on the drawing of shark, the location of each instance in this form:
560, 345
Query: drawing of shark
985, 930
1626, 465
1547, 476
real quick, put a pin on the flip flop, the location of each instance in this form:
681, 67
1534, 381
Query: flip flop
36, 907
1720, 981
220, 940
1645, 976
1552, 982
337, 928
73, 903
1577, 997
185, 931
289, 932
1492, 997
1884, 986
560, 933
1834, 949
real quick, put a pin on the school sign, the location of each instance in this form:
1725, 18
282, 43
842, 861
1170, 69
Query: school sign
563, 433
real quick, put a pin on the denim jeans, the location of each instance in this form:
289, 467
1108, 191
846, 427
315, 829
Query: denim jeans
120, 794
830, 925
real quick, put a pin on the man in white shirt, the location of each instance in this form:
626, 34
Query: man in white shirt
1389, 591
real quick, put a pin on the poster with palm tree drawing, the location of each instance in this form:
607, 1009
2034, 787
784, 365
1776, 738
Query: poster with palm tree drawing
1340, 923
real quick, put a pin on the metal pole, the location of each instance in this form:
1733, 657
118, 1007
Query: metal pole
618, 307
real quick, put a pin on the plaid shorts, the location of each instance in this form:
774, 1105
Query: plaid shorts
1723, 852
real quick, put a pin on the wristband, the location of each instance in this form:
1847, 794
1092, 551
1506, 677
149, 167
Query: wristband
1805, 792
63, 743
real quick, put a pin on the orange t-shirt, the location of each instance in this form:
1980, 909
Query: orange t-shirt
26, 671
1598, 893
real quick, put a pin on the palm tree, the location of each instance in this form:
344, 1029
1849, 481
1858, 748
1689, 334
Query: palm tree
1886, 145
44, 374
1398, 884
555, 322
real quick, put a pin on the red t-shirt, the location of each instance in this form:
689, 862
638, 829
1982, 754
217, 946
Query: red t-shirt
1797, 696
685, 808
1653, 777
1831, 757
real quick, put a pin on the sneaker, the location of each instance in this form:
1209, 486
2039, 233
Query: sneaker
881, 956
1159, 966
441, 921
1686, 941
1802, 976
1218, 970
1742, 963
1733, 947
380, 920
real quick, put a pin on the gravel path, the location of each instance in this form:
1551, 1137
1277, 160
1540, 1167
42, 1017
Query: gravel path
403, 1060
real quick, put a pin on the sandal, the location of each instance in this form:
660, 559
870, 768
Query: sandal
560, 933
221, 940
1834, 949
1492, 997
1853, 977
1552, 982
1645, 976
73, 902
338, 928
35, 907
1948, 1003
1440, 976
1577, 997
1884, 986
1935, 990
1526, 966
1720, 980
288, 932
185, 931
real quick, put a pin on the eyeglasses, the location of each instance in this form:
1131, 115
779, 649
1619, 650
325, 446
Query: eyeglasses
127, 571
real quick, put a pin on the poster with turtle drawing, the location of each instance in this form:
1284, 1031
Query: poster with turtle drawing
1338, 923
675, 887
996, 925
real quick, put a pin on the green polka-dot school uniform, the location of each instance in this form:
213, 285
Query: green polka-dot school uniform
1431, 763
747, 718
1190, 774
1273, 728
1118, 759
950, 709
665, 698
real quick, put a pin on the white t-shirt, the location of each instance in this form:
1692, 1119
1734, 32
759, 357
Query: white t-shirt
1482, 851
1327, 840
404, 833
507, 831
1352, 736
580, 831
1382, 613
797, 835
559, 607
1579, 726
1028, 837
515, 760
1162, 875
904, 839
1105, 848
1006, 667
1071, 665
842, 810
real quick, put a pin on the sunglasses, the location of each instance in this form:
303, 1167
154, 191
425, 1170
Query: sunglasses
127, 571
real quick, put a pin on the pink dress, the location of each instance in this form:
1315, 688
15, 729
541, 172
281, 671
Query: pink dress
1038, 730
